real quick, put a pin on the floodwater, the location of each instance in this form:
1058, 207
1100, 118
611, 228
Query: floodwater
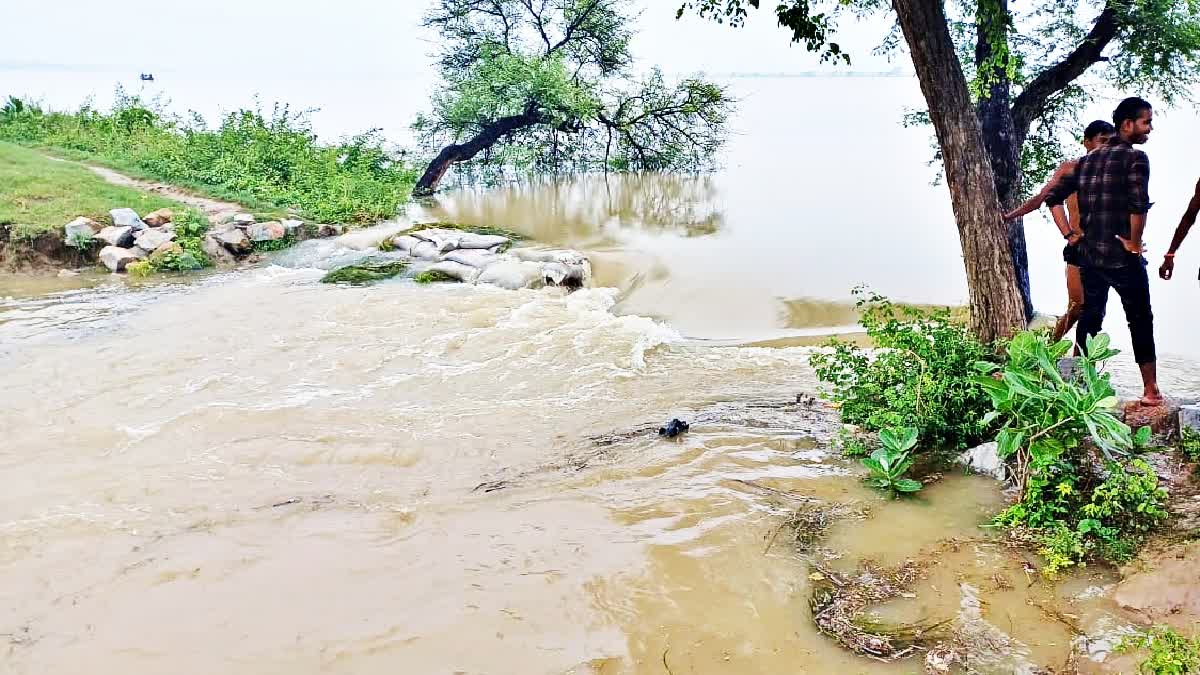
254, 473
257, 473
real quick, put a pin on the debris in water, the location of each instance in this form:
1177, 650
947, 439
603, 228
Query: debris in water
674, 428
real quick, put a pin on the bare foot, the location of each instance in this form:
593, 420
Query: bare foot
1152, 400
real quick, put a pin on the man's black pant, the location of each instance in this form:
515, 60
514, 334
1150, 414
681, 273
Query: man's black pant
1132, 283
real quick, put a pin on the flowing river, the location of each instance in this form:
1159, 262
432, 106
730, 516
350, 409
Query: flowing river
257, 473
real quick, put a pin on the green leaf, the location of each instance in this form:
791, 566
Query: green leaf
1108, 403
1097, 346
907, 485
990, 417
985, 367
899, 439
875, 467
1008, 442
1142, 437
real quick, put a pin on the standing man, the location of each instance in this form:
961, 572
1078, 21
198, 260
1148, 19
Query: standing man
1095, 136
1113, 186
1185, 225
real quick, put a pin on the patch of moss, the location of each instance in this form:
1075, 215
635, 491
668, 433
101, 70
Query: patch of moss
365, 273
474, 229
268, 246
432, 276
139, 268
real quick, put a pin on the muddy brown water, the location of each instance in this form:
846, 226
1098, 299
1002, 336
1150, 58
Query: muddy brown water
256, 473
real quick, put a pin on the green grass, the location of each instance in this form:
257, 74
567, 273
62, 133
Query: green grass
433, 277
267, 163
39, 195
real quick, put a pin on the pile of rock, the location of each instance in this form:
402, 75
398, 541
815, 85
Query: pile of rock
131, 238
487, 259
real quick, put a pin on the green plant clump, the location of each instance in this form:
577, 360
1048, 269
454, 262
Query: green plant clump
365, 273
892, 460
490, 230
920, 375
1169, 653
271, 161
1073, 510
432, 276
270, 245
1189, 443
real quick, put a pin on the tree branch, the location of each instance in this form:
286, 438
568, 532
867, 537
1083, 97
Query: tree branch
1032, 102
538, 22
574, 25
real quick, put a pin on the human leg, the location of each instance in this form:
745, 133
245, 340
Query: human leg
1095, 305
1132, 283
1074, 303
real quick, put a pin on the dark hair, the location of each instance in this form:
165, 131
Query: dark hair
1096, 128
1130, 109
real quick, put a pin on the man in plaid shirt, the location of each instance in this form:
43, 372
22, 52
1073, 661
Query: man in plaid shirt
1113, 191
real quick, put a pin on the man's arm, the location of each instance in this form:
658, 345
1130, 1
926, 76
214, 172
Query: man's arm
1066, 186
1185, 225
1138, 182
1035, 202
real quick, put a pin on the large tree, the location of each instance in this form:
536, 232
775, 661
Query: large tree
550, 85
1024, 75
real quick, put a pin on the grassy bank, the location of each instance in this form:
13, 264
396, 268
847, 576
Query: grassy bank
264, 163
39, 195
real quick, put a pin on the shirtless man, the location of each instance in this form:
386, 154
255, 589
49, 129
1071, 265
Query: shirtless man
1167, 271
1095, 136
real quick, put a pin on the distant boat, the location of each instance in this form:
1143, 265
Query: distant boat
147, 77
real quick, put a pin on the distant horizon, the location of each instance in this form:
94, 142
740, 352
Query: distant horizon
897, 71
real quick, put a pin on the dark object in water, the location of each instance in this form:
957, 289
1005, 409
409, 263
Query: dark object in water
674, 428
147, 77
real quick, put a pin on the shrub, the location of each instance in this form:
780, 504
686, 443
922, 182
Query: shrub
1169, 652
890, 462
1074, 510
249, 157
1189, 443
920, 375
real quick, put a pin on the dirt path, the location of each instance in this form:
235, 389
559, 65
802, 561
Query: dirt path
215, 209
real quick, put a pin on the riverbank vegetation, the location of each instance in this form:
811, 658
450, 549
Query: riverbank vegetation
39, 195
1083, 493
266, 162
918, 374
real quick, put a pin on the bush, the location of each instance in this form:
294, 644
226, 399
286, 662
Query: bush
920, 375
1073, 509
256, 159
1189, 443
1169, 652
890, 462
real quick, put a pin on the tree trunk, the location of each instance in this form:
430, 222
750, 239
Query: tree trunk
996, 308
462, 152
1000, 135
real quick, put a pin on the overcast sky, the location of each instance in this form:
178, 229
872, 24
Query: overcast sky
291, 36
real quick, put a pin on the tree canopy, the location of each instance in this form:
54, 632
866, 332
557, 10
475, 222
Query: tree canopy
550, 85
1052, 56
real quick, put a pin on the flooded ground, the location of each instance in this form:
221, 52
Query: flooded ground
257, 473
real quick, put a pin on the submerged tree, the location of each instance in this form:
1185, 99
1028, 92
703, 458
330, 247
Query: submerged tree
1003, 89
548, 84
